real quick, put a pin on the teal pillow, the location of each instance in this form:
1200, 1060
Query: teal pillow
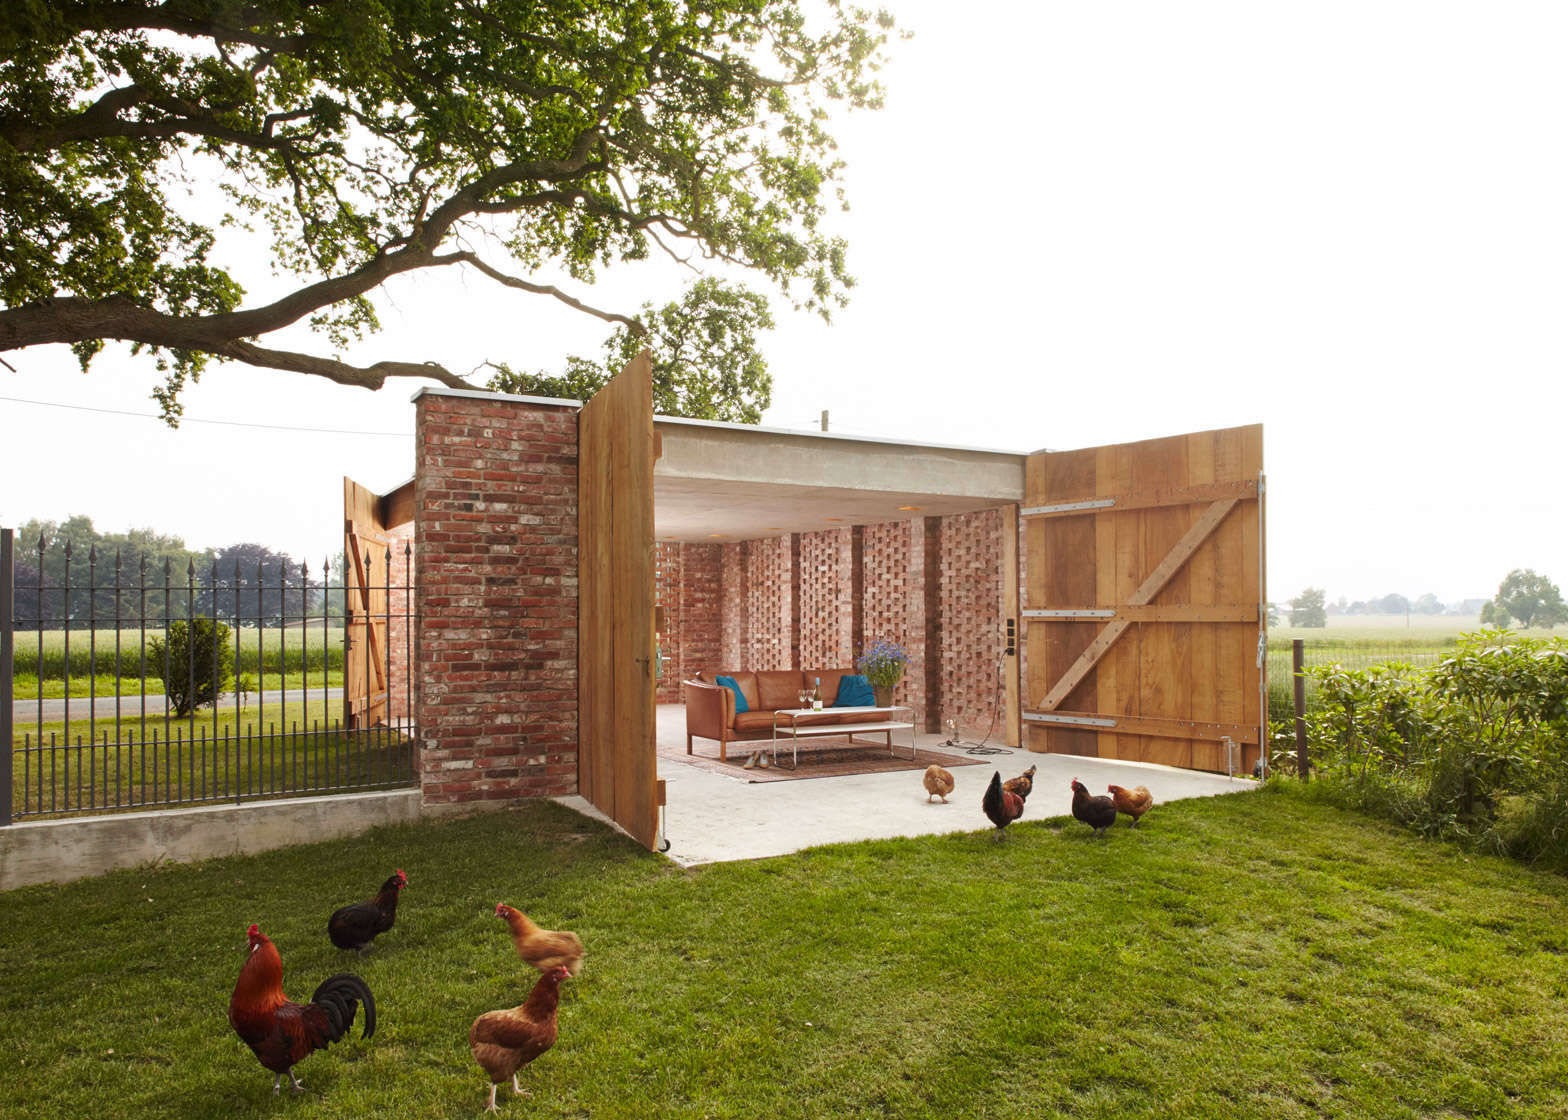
740, 697
854, 691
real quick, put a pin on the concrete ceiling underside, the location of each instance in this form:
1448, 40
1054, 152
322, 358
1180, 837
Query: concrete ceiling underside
717, 482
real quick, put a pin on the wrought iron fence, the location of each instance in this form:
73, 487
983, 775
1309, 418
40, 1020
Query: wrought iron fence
129, 684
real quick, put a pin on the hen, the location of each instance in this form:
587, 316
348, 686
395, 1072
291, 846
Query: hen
1001, 807
1134, 802
355, 926
1022, 785
543, 948
1099, 813
282, 1033
938, 783
503, 1042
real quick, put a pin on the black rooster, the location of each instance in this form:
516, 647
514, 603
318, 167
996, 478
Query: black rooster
356, 926
1099, 813
1001, 807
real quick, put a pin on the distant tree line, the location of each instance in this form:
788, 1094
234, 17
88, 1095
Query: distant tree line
1524, 597
145, 574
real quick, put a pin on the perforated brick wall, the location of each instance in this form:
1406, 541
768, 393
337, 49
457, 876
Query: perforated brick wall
891, 587
687, 587
401, 631
496, 521
734, 606
971, 600
826, 600
770, 604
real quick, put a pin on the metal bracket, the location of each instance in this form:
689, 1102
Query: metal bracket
1067, 507
1043, 612
1071, 721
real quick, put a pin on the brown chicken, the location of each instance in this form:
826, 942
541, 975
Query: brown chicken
1134, 802
938, 783
355, 926
1001, 808
281, 1033
503, 1042
1022, 785
543, 948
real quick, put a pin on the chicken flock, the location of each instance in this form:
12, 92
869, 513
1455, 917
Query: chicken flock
282, 1033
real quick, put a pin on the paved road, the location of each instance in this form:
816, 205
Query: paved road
24, 712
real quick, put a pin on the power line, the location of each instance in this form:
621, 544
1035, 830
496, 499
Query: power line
194, 420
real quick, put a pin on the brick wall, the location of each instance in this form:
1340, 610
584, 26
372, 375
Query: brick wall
827, 637
496, 520
687, 587
770, 604
403, 655
971, 608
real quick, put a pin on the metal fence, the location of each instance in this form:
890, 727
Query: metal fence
129, 684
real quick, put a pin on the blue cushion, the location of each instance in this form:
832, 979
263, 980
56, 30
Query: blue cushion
854, 691
740, 699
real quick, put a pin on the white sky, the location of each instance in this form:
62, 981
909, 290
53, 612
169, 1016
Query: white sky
1074, 224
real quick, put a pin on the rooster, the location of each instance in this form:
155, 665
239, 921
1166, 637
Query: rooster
1099, 813
1022, 785
543, 948
503, 1042
1134, 802
281, 1033
355, 926
938, 782
1001, 807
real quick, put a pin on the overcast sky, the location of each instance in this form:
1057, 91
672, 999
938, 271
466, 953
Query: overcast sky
1074, 224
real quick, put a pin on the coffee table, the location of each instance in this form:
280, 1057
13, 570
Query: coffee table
787, 727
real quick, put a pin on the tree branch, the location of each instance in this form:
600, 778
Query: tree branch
468, 257
365, 377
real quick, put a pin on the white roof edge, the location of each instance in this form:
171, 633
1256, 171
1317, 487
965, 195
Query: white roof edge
729, 426
487, 395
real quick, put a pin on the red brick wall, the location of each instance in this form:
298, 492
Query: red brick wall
687, 587
971, 609
826, 603
496, 519
770, 604
734, 607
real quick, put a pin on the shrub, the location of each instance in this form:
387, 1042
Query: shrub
200, 662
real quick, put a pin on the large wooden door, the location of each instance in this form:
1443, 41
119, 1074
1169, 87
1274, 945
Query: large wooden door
1144, 607
365, 544
616, 760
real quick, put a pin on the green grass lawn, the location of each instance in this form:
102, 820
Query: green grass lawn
1259, 955
25, 687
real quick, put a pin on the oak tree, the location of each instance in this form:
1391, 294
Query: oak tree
523, 142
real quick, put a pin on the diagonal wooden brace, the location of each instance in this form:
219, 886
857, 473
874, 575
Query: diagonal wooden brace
1147, 590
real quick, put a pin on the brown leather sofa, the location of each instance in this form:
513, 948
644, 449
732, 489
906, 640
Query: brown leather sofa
710, 707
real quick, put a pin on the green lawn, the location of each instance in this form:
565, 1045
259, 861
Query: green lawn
1259, 955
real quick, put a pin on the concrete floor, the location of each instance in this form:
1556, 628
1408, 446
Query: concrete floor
714, 818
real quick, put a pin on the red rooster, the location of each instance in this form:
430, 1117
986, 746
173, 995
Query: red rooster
503, 1042
281, 1033
1002, 807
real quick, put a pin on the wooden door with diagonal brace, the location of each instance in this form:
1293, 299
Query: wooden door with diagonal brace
365, 545
1144, 610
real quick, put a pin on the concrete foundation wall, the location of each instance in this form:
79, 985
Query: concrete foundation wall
63, 850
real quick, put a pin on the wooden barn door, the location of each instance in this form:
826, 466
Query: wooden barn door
1143, 611
616, 761
365, 544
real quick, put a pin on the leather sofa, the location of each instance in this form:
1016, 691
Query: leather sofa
710, 707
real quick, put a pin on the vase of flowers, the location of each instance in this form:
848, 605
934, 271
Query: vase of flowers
883, 665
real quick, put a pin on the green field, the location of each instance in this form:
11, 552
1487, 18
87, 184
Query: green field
1260, 956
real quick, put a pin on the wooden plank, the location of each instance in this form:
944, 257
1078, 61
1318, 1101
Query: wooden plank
1151, 726
595, 696
1177, 612
396, 508
1146, 591
1153, 497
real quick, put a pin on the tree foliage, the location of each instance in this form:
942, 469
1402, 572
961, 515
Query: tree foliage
1307, 609
1531, 598
706, 362
364, 139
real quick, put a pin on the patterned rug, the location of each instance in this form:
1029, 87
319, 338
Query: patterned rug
832, 760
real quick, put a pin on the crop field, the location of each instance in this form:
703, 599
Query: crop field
49, 654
